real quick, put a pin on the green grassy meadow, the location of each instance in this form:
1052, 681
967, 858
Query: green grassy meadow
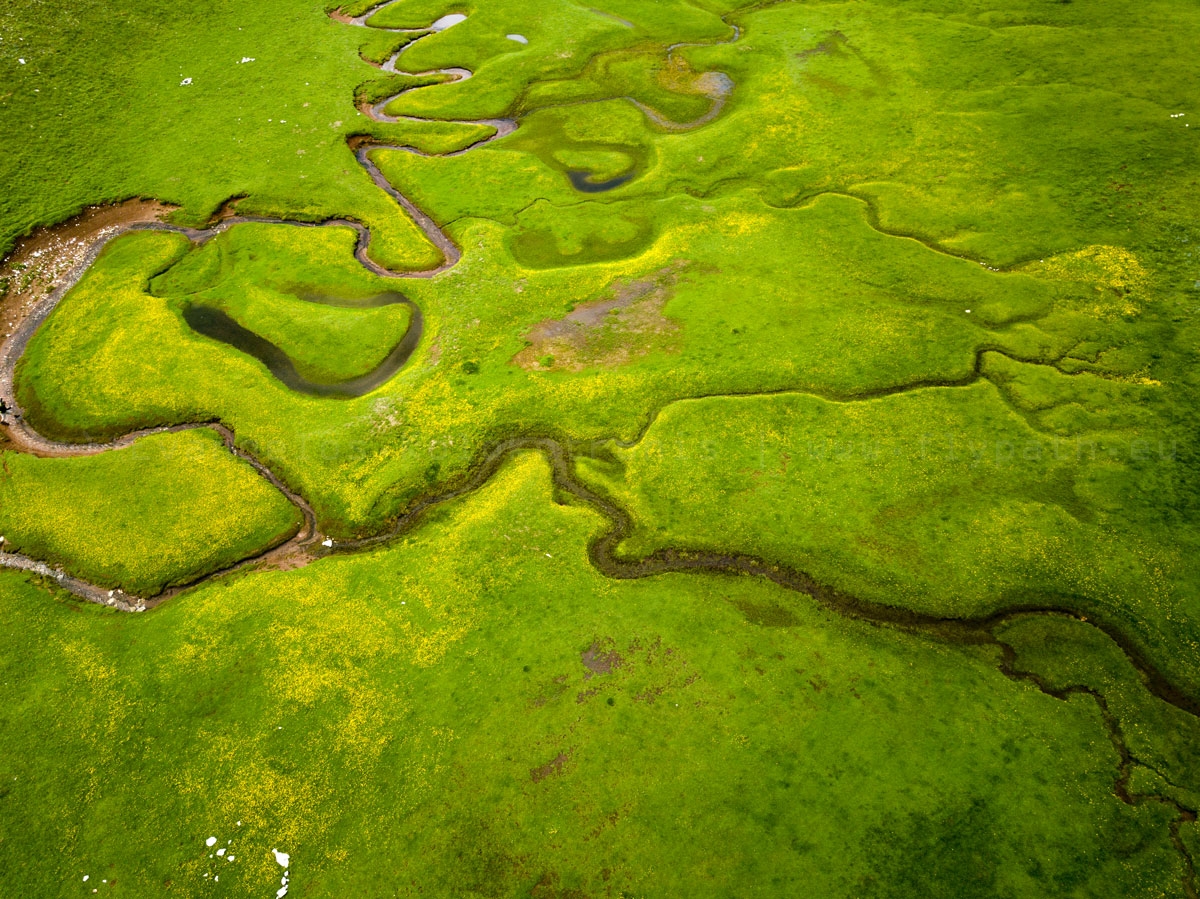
531, 728
897, 299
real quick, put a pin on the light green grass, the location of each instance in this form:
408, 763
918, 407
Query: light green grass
997, 199
391, 727
167, 510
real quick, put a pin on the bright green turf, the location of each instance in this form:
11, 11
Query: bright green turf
857, 331
395, 726
917, 315
857, 310
273, 129
943, 500
167, 510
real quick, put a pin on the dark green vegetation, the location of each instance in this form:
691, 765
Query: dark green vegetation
913, 318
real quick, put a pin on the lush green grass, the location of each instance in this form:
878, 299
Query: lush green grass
916, 314
411, 722
270, 284
943, 500
857, 329
273, 130
1163, 741
167, 510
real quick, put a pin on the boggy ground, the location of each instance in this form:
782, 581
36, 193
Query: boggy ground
915, 339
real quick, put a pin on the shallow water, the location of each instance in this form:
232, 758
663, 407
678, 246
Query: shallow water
449, 21
582, 182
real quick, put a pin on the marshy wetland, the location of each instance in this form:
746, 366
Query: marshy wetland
643, 449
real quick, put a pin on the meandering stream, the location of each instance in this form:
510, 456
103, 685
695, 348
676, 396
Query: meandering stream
308, 544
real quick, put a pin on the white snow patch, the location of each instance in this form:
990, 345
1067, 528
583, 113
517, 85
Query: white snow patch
246, 59
282, 858
21, 61
211, 841
221, 852
85, 877
448, 21
519, 38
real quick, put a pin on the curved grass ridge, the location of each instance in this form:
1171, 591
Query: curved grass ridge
295, 549
218, 325
104, 514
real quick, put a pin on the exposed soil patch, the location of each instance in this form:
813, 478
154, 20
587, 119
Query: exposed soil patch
600, 658
553, 768
42, 260
615, 330
550, 887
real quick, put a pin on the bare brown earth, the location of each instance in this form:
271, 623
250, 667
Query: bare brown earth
553, 768
600, 658
615, 330
41, 260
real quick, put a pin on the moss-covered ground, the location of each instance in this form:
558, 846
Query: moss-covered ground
897, 300
410, 722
